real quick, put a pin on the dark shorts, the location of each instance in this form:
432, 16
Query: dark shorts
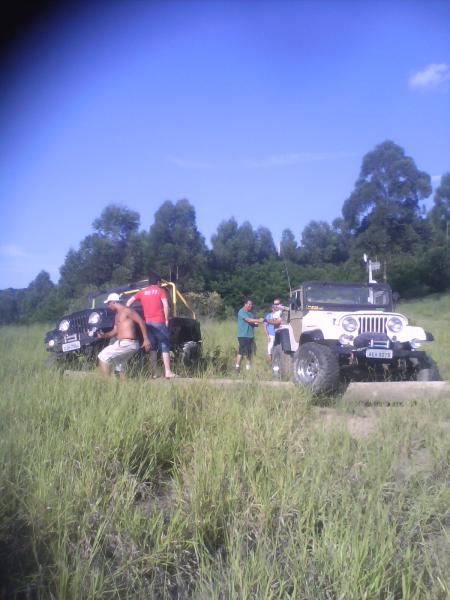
158, 334
246, 346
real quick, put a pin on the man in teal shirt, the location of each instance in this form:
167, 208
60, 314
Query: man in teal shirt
246, 322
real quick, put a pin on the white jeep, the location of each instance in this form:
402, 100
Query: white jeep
340, 332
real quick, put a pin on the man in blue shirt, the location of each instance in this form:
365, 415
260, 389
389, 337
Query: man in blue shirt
271, 322
246, 323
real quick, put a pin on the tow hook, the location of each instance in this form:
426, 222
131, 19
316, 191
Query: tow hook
353, 359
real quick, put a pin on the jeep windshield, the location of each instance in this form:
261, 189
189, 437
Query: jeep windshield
345, 296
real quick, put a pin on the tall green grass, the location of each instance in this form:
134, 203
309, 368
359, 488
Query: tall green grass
161, 490
433, 314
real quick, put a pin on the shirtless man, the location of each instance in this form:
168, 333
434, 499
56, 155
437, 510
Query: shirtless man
124, 330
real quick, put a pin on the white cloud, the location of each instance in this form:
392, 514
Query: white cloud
277, 160
19, 267
13, 251
432, 76
18, 271
286, 160
191, 164
436, 179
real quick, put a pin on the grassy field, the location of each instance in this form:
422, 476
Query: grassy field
155, 490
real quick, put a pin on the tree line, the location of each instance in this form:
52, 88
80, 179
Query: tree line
383, 216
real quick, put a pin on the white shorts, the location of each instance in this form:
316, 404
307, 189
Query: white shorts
119, 353
270, 342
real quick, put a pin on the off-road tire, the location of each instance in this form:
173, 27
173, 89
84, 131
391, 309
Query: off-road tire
317, 367
190, 354
281, 364
428, 371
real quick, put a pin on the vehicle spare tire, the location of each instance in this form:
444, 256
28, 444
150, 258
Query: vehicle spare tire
317, 367
281, 363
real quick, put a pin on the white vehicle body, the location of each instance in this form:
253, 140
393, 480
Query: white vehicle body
335, 325
353, 329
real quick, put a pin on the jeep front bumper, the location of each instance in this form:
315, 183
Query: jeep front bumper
379, 352
61, 343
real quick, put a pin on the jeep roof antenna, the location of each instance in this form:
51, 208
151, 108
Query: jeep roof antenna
285, 268
371, 266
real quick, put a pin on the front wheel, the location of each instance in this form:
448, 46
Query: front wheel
317, 367
428, 371
281, 363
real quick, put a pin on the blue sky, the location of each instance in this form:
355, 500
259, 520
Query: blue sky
247, 109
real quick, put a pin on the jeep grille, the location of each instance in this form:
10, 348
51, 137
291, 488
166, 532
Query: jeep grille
78, 324
372, 324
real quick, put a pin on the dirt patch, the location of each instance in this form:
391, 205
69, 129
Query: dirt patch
358, 427
159, 497
415, 463
439, 555
361, 427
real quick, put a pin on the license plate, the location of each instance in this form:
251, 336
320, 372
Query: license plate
375, 353
71, 346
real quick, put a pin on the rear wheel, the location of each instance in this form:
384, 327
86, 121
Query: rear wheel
317, 367
191, 354
281, 363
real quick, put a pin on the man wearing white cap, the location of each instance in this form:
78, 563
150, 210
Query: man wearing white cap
126, 343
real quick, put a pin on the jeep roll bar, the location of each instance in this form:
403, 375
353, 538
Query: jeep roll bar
175, 294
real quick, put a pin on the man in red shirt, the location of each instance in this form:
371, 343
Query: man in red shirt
156, 316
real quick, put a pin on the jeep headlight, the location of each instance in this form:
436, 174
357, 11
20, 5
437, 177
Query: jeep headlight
394, 324
64, 325
94, 318
350, 324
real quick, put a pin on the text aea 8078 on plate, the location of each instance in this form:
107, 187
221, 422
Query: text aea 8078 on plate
71, 346
376, 353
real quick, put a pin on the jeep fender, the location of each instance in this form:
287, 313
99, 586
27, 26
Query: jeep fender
315, 335
284, 336
410, 333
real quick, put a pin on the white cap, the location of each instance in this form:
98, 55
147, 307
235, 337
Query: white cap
113, 298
